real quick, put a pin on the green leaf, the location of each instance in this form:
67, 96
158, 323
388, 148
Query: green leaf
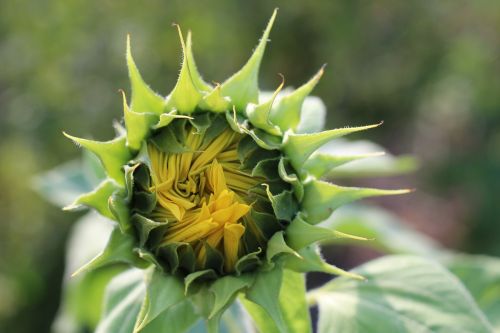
119, 249
298, 147
144, 99
162, 292
138, 125
63, 184
300, 234
265, 293
198, 81
191, 281
481, 276
225, 289
215, 102
293, 302
291, 178
144, 226
379, 165
113, 154
284, 204
243, 86
98, 198
167, 118
258, 115
310, 260
277, 245
320, 164
185, 96
170, 140
322, 198
123, 299
286, 113
83, 294
261, 318
118, 205
386, 231
312, 116
401, 294
177, 319
290, 305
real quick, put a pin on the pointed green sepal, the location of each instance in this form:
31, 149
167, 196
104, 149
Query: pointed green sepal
98, 198
118, 205
144, 99
299, 147
319, 164
185, 96
198, 81
292, 179
167, 118
191, 281
162, 292
225, 289
265, 293
138, 125
248, 262
283, 204
176, 319
286, 114
243, 87
235, 121
292, 306
263, 139
259, 114
312, 115
322, 198
310, 260
277, 245
149, 257
113, 154
144, 227
300, 234
214, 101
119, 249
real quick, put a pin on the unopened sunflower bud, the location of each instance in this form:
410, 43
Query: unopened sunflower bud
215, 187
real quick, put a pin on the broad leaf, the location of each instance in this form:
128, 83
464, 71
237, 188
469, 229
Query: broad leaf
83, 294
376, 166
290, 306
177, 319
313, 115
63, 184
162, 292
122, 304
322, 198
401, 294
481, 276
385, 231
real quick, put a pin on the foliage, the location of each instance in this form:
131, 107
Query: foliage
426, 68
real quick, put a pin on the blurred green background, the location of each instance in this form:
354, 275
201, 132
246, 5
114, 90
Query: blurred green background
429, 69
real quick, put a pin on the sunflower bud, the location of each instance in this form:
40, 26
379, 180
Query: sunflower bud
218, 187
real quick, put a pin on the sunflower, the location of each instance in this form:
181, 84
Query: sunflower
217, 188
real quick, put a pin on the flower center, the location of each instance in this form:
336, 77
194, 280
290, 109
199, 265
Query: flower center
201, 193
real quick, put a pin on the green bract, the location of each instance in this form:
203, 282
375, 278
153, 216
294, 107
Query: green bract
216, 192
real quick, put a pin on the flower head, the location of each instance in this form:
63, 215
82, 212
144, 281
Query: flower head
219, 186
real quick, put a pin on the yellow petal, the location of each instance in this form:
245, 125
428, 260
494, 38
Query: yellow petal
232, 236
